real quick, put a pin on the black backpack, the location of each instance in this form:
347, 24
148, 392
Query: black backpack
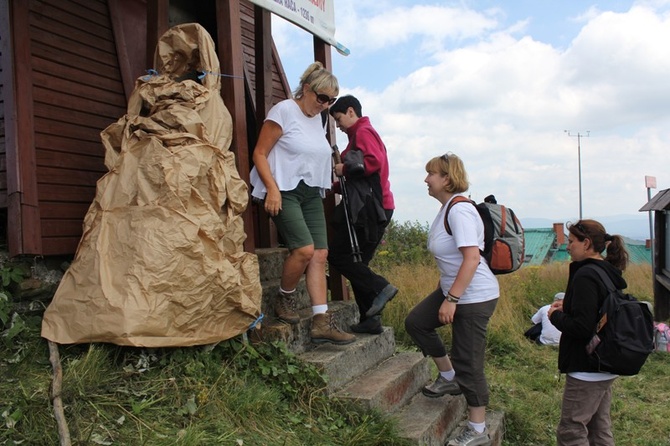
624, 335
504, 242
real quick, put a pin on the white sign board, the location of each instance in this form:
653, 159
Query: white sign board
314, 16
650, 182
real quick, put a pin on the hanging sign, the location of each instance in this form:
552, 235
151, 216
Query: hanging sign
314, 16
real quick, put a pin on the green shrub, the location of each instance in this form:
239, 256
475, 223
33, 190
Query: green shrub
403, 244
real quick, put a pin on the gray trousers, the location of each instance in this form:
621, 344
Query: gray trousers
585, 414
468, 341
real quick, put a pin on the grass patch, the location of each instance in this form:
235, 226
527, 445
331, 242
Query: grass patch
524, 378
238, 394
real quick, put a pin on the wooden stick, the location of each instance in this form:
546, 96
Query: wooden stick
54, 358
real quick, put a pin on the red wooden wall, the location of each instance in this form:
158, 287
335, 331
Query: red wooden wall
66, 68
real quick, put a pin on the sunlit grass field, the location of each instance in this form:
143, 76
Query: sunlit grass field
524, 378
239, 395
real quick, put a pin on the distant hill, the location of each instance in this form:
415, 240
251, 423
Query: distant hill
632, 227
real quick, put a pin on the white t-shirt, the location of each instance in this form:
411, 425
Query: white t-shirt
467, 229
301, 153
550, 334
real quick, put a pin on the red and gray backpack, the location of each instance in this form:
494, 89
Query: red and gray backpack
504, 244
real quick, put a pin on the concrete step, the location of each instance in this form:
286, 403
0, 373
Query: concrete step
368, 370
270, 262
390, 385
271, 292
296, 337
429, 421
343, 363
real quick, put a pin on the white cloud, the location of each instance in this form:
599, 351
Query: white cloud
500, 98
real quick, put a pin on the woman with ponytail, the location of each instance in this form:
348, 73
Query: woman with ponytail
585, 412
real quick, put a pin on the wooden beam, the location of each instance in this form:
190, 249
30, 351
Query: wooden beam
23, 216
129, 24
231, 58
267, 232
337, 282
158, 21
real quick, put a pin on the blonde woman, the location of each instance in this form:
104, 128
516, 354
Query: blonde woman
292, 171
465, 298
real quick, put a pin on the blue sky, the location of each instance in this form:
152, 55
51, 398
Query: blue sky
497, 83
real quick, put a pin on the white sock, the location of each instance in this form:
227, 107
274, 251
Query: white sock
479, 427
448, 375
318, 309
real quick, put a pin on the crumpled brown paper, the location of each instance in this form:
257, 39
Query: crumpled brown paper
161, 261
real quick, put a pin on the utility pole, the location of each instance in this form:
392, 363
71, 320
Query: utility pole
579, 163
650, 183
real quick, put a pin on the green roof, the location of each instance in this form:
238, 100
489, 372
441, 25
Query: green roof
540, 248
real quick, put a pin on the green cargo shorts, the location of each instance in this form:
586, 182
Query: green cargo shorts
302, 222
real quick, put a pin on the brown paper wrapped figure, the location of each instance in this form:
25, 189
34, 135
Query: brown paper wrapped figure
161, 261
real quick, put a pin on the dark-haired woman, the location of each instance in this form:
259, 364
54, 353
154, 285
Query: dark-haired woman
585, 410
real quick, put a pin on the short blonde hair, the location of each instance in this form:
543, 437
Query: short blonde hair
319, 79
451, 165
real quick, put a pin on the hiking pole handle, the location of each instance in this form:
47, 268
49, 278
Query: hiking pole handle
337, 158
353, 238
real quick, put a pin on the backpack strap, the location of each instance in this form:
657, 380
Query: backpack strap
607, 281
609, 285
455, 200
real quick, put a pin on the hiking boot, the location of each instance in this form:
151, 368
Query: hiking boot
371, 325
470, 437
324, 330
381, 300
441, 387
285, 307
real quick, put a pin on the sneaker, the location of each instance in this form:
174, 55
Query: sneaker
384, 296
470, 437
371, 325
441, 387
285, 307
324, 330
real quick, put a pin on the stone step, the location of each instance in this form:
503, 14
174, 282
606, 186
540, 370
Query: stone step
271, 292
390, 385
343, 363
296, 337
271, 262
429, 421
367, 371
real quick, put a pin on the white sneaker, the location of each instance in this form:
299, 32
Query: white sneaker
470, 437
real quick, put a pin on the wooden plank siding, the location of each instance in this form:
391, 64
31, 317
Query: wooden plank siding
3, 157
61, 84
77, 93
5, 63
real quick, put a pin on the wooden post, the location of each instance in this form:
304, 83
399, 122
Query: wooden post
336, 282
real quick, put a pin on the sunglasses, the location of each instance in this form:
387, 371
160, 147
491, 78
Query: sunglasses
324, 98
580, 227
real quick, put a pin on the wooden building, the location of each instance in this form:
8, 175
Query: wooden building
660, 206
67, 68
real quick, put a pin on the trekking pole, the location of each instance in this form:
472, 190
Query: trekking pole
353, 238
